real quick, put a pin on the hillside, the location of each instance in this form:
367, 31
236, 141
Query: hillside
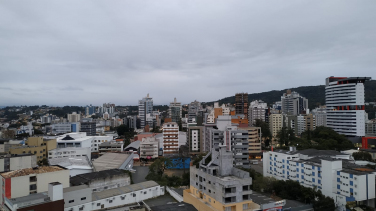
314, 94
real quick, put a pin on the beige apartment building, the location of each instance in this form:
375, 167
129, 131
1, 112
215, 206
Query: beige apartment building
254, 142
310, 123
275, 124
35, 145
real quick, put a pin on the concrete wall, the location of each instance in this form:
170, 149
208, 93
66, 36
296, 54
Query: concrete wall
77, 197
20, 186
110, 182
22, 162
57, 176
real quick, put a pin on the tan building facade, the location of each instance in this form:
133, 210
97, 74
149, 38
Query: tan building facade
36, 146
254, 142
310, 123
275, 124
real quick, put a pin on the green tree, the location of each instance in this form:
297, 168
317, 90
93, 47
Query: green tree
197, 159
43, 162
122, 129
160, 165
362, 156
265, 130
285, 136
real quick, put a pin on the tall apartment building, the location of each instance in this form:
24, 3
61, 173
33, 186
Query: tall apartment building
195, 139
149, 147
331, 172
218, 185
241, 104
74, 117
89, 110
170, 138
89, 127
256, 111
145, 106
345, 105
320, 116
275, 124
293, 103
175, 111
193, 109
107, 107
234, 138
310, 122
254, 142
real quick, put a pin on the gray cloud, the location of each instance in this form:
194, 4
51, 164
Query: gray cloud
85, 52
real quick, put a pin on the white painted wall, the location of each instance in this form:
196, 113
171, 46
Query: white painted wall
118, 200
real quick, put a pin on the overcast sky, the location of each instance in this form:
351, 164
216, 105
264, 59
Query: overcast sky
91, 52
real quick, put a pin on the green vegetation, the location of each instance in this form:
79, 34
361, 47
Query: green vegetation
322, 138
130, 175
265, 130
290, 189
43, 162
156, 173
126, 133
362, 156
63, 111
196, 161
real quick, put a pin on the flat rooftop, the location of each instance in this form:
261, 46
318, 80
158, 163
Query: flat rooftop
28, 171
86, 178
71, 161
123, 190
110, 161
181, 206
31, 199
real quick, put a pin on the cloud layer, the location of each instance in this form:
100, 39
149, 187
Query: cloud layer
91, 52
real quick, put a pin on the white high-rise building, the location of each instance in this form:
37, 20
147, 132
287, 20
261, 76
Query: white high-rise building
320, 116
345, 105
256, 111
145, 106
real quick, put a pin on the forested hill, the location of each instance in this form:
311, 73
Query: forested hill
314, 94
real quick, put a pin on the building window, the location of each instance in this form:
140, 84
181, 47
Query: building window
83, 198
33, 179
71, 201
33, 187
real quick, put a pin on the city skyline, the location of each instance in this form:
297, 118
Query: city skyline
122, 50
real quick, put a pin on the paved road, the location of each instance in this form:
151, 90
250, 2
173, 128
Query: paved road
140, 174
258, 167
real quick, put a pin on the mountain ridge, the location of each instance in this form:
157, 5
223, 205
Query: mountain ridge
314, 94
